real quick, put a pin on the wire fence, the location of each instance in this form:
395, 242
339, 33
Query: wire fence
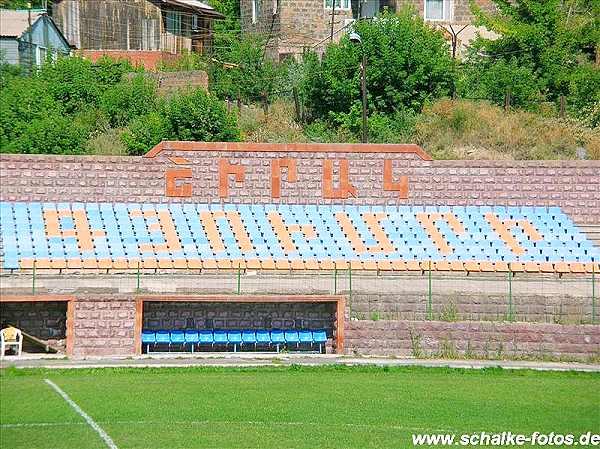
370, 295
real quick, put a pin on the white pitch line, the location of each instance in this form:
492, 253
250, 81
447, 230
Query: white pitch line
108, 440
252, 423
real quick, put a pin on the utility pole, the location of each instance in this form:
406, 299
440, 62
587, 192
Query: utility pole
30, 39
363, 82
332, 18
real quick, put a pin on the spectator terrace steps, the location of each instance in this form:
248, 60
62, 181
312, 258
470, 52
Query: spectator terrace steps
131, 236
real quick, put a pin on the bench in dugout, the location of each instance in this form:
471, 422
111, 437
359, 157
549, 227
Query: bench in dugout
225, 340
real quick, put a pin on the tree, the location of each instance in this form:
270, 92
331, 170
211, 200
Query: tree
246, 72
226, 31
23, 4
196, 116
408, 64
553, 38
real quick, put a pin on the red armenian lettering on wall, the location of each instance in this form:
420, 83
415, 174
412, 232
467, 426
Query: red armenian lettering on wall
336, 182
225, 170
345, 188
173, 177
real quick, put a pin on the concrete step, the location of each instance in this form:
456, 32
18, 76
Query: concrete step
592, 232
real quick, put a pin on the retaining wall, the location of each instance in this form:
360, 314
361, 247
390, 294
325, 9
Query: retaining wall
473, 339
534, 298
104, 325
196, 175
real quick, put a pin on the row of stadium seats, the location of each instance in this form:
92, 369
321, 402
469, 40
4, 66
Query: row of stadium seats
292, 339
211, 236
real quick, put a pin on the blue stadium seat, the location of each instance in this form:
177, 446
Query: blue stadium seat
235, 338
148, 338
121, 232
177, 337
305, 336
263, 337
220, 337
277, 338
163, 337
320, 337
205, 337
291, 337
249, 337
191, 338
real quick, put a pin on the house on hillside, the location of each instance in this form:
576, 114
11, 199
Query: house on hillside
294, 26
28, 38
142, 31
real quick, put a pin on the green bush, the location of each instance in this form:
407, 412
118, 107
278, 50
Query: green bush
407, 64
127, 100
79, 83
146, 131
195, 116
246, 72
547, 46
491, 79
22, 101
51, 134
584, 94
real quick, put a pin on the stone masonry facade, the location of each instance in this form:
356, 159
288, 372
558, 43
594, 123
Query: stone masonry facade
473, 340
294, 26
297, 26
572, 185
104, 325
528, 298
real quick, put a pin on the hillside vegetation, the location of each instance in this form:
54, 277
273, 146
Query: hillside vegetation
531, 93
446, 129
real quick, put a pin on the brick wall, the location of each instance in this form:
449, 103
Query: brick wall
300, 24
476, 297
43, 320
150, 60
474, 307
104, 325
169, 81
471, 339
573, 185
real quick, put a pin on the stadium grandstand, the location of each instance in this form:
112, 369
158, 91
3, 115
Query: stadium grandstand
305, 247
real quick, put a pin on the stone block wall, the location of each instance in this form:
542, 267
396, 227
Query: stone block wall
299, 24
473, 339
572, 185
461, 13
195, 315
104, 325
169, 81
150, 60
539, 308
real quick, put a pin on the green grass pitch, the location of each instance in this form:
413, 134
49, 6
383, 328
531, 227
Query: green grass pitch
287, 407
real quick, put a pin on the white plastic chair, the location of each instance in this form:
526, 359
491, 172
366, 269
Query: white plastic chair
10, 337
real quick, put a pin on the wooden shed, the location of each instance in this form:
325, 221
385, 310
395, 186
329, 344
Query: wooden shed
144, 31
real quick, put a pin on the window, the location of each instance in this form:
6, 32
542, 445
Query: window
195, 22
339, 4
438, 10
42, 54
173, 24
254, 11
